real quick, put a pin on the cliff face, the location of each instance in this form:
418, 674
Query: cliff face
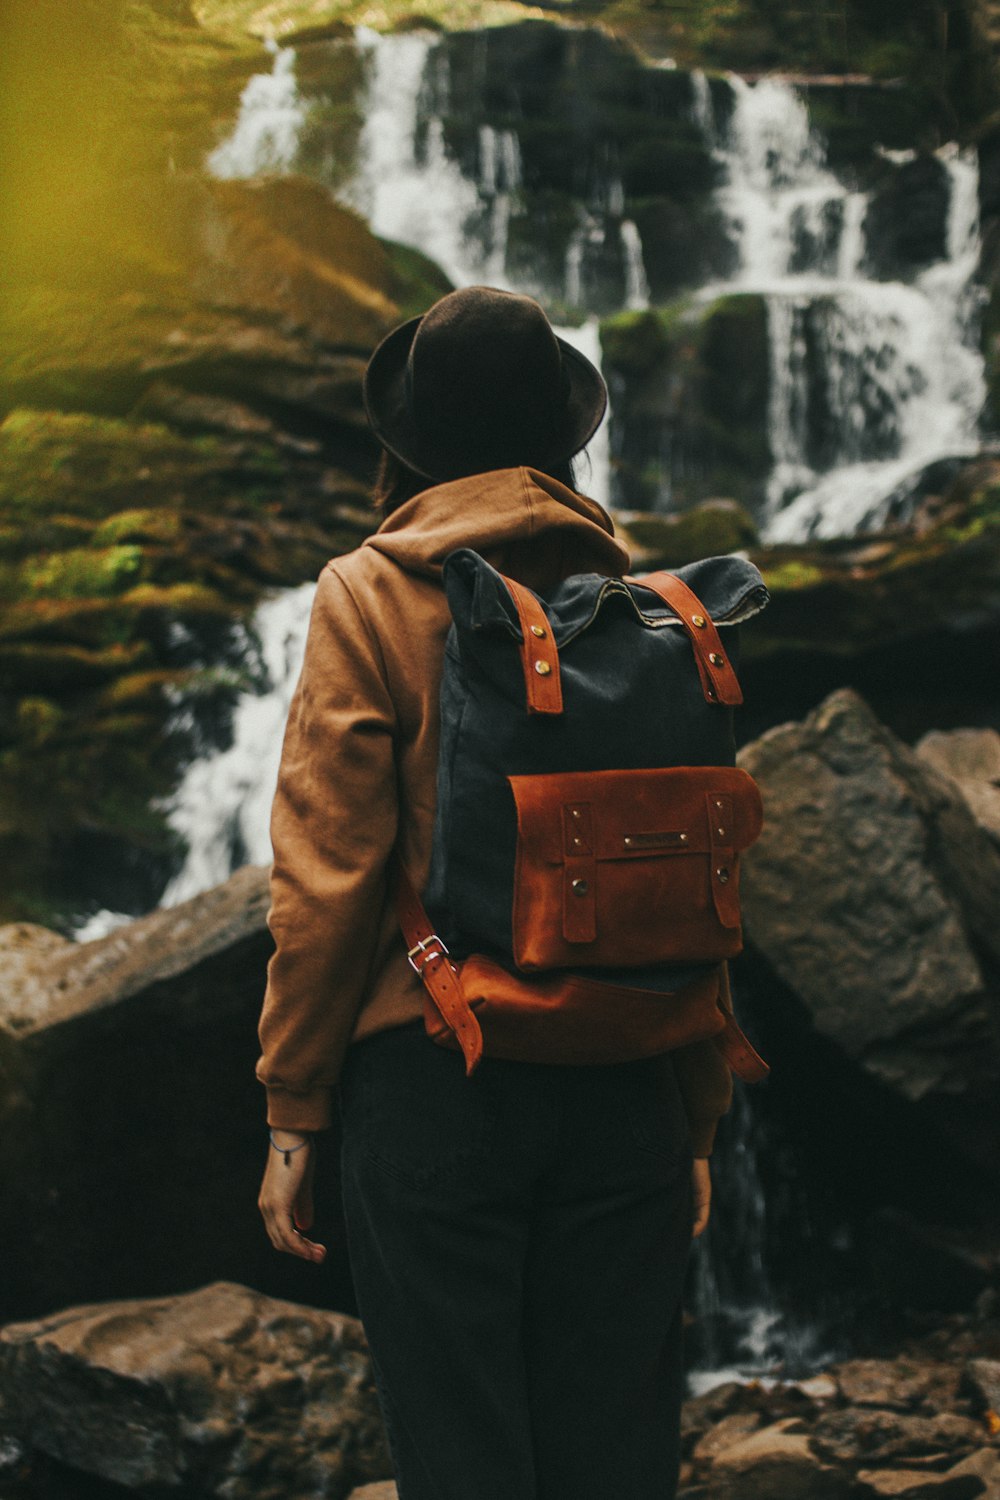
180, 429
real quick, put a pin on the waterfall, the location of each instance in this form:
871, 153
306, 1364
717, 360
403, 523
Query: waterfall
903, 378
222, 806
636, 285
266, 134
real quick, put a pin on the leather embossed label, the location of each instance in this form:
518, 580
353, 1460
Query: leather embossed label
655, 840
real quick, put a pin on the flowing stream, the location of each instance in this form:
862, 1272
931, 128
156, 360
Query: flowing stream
903, 386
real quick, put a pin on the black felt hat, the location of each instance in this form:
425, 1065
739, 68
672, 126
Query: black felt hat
481, 382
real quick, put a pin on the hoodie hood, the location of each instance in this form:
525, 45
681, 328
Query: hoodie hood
503, 508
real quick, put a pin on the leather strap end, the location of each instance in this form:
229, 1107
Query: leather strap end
735, 1047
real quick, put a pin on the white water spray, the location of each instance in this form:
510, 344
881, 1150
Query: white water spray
903, 378
266, 135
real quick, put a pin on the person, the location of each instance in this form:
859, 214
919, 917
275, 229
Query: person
518, 1240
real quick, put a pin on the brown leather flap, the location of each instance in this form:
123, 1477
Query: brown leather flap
620, 815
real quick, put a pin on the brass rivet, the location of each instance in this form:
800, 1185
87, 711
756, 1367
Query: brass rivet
576, 812
721, 832
580, 887
719, 805
698, 620
628, 843
716, 659
542, 668
538, 630
723, 874
684, 838
578, 843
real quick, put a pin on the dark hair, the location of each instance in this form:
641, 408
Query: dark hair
396, 482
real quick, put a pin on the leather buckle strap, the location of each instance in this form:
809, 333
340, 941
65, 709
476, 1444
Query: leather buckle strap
428, 948
428, 957
539, 654
735, 1046
719, 682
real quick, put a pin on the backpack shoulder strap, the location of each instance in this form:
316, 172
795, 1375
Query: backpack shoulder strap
539, 654
718, 680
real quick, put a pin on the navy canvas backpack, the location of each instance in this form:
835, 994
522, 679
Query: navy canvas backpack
583, 894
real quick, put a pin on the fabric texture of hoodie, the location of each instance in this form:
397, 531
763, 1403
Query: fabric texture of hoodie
358, 778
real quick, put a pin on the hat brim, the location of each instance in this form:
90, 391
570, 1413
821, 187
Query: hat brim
391, 420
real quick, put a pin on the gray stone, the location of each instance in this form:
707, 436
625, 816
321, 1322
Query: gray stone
869, 893
917, 1484
882, 1382
218, 1392
971, 757
874, 1435
724, 1434
129, 1112
983, 1376
774, 1464
985, 1465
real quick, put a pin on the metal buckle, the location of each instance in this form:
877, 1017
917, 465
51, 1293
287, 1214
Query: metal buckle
425, 957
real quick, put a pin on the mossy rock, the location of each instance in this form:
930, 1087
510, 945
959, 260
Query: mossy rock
669, 541
689, 413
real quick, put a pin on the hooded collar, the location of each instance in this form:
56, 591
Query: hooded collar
493, 510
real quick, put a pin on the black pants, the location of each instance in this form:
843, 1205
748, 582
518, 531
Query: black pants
518, 1242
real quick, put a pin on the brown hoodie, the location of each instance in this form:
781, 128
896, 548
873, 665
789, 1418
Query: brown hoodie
358, 777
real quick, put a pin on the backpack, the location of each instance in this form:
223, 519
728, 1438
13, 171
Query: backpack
583, 894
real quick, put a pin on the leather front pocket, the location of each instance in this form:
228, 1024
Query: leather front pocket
631, 867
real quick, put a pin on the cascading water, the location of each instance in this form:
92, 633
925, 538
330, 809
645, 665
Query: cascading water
902, 384
903, 376
266, 136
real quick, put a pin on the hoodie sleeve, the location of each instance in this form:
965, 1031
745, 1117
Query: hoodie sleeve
333, 826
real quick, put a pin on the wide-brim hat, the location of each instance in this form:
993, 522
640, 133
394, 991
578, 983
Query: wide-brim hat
481, 381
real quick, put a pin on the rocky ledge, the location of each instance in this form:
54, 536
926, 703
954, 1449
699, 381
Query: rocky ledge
223, 1392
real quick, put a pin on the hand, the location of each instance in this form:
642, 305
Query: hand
701, 1179
286, 1196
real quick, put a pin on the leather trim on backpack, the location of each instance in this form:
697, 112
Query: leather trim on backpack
630, 868
539, 654
718, 680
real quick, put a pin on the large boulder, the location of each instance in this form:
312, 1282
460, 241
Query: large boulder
131, 1124
971, 757
874, 894
218, 1392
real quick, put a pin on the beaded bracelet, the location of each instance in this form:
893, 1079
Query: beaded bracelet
288, 1151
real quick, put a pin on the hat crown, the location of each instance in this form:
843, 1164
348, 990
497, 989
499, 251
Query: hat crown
481, 381
486, 364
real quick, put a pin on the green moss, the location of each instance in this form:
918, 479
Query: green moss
138, 526
82, 573
37, 720
634, 342
710, 530
792, 574
417, 281
73, 463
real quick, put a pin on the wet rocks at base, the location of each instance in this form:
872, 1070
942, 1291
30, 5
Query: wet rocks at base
223, 1392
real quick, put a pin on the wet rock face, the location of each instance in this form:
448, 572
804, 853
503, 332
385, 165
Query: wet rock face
600, 138
914, 1425
873, 895
689, 391
131, 1124
971, 757
219, 1392
182, 429
906, 223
